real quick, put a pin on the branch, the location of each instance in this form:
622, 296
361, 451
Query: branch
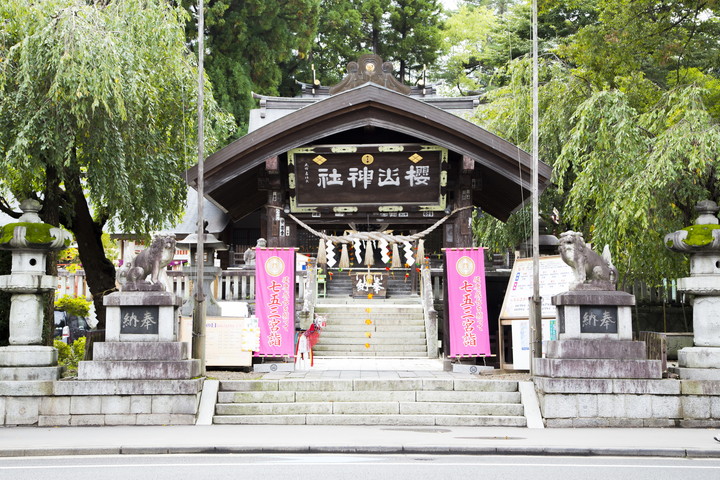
5, 208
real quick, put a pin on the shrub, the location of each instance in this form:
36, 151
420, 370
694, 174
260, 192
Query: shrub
70, 355
77, 306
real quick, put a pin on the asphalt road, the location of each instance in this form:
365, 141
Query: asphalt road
355, 467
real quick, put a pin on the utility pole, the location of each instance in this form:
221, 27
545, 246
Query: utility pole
536, 301
198, 337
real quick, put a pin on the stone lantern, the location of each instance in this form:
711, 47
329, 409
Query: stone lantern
702, 242
210, 271
29, 240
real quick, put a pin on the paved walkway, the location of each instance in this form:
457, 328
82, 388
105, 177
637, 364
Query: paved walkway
24, 441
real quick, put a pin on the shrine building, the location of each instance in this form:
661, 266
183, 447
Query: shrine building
369, 154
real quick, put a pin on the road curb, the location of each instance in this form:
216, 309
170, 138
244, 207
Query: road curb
368, 450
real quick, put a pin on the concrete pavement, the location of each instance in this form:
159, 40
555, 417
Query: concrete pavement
34, 441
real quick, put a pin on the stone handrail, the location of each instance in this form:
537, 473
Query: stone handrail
429, 312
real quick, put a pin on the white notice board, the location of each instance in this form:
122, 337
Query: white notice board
228, 341
555, 277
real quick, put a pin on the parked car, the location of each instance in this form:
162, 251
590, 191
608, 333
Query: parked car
74, 326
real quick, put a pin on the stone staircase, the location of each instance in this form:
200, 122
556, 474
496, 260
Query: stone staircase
372, 328
434, 400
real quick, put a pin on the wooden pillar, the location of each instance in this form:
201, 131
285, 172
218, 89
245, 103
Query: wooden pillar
280, 230
458, 231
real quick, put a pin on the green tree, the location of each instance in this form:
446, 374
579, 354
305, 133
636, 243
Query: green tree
97, 117
632, 134
252, 45
407, 32
483, 37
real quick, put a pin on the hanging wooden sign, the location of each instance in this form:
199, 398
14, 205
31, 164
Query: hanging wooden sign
384, 178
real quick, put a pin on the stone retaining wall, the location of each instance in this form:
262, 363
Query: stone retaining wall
567, 402
121, 402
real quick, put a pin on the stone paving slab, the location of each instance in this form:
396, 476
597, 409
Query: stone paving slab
431, 439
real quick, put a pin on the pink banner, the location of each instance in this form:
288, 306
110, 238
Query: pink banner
275, 300
467, 304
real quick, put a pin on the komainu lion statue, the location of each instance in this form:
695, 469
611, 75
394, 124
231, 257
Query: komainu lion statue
591, 271
148, 268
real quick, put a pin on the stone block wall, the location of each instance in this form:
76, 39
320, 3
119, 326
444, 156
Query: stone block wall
122, 402
569, 403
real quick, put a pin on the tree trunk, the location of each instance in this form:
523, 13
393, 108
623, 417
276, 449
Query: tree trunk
99, 271
50, 213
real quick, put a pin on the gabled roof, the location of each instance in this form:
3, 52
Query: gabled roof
505, 168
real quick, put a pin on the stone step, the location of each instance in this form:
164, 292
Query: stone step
369, 384
322, 349
362, 327
408, 300
596, 368
370, 401
384, 307
335, 333
332, 316
388, 354
138, 370
402, 420
375, 396
340, 322
34, 374
108, 351
594, 349
368, 408
376, 339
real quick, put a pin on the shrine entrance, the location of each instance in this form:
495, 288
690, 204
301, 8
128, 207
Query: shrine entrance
369, 179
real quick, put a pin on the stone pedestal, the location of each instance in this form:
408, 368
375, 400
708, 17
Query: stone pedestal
139, 376
595, 375
594, 314
595, 339
142, 317
28, 370
602, 358
140, 340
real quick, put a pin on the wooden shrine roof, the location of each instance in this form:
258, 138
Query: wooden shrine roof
232, 173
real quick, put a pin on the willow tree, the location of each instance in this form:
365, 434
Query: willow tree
630, 124
97, 117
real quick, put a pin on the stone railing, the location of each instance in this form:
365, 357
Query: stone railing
73, 284
429, 312
231, 285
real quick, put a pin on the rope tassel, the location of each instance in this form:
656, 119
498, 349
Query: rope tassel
344, 257
369, 254
396, 262
322, 254
420, 253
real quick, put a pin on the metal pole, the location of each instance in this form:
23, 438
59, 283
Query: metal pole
536, 309
198, 341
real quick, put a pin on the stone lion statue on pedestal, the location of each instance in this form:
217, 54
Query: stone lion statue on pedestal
147, 270
591, 271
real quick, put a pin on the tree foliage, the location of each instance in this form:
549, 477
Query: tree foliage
629, 123
97, 116
407, 32
251, 45
482, 37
